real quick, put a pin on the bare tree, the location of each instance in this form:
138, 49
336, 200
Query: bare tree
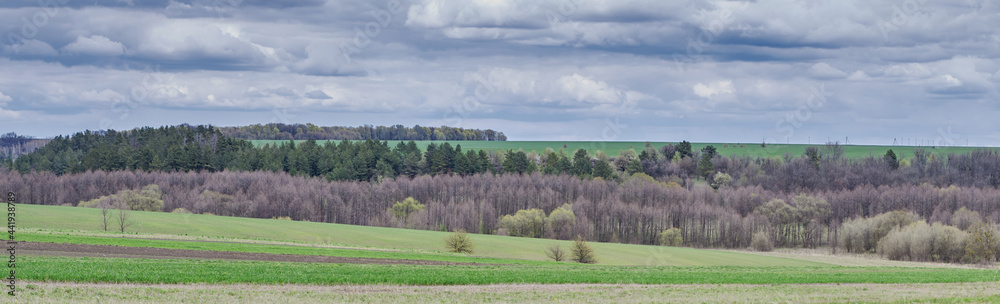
582, 253
555, 253
124, 215
106, 206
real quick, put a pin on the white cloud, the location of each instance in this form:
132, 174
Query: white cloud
317, 94
909, 70
823, 70
585, 89
104, 96
4, 99
859, 75
95, 45
30, 47
9, 113
714, 89
200, 40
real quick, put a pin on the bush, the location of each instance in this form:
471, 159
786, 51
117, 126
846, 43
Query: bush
582, 253
559, 224
983, 243
181, 210
863, 234
761, 241
921, 242
671, 237
555, 253
459, 242
965, 219
525, 223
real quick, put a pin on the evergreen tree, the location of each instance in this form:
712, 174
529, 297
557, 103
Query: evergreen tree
581, 163
684, 148
891, 160
603, 170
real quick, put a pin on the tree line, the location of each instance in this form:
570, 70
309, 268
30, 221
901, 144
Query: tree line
205, 148
13, 145
279, 131
636, 210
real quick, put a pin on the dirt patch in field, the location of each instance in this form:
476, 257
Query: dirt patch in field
55, 292
109, 251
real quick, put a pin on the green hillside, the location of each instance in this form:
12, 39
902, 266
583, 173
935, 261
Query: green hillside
87, 219
725, 149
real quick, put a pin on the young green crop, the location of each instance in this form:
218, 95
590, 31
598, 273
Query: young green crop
264, 248
117, 270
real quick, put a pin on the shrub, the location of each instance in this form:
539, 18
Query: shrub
459, 242
525, 223
556, 253
949, 244
982, 245
863, 234
671, 237
921, 242
965, 218
181, 210
582, 253
761, 241
560, 222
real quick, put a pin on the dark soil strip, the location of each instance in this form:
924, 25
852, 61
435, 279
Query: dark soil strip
109, 251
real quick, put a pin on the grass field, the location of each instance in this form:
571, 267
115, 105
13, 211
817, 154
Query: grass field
519, 272
725, 149
491, 246
160, 271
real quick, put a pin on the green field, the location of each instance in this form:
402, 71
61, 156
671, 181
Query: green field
726, 149
491, 246
516, 269
172, 271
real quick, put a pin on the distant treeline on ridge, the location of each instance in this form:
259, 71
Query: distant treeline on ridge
279, 131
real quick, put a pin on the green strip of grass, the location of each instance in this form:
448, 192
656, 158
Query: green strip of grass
262, 248
150, 271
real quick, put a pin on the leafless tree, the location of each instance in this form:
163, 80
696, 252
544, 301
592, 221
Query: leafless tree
106, 205
124, 215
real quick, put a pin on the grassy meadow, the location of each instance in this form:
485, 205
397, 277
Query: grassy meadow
490, 246
516, 269
724, 149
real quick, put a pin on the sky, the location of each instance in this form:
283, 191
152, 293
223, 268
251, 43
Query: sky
859, 72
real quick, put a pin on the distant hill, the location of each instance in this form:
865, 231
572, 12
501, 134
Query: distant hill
278, 131
13, 145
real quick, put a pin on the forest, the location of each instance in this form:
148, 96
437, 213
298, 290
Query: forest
660, 195
279, 131
13, 145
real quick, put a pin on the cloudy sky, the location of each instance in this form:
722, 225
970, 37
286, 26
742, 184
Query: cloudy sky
602, 70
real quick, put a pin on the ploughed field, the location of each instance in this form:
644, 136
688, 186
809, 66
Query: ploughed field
65, 257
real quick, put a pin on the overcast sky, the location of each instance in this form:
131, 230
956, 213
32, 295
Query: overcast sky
707, 71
